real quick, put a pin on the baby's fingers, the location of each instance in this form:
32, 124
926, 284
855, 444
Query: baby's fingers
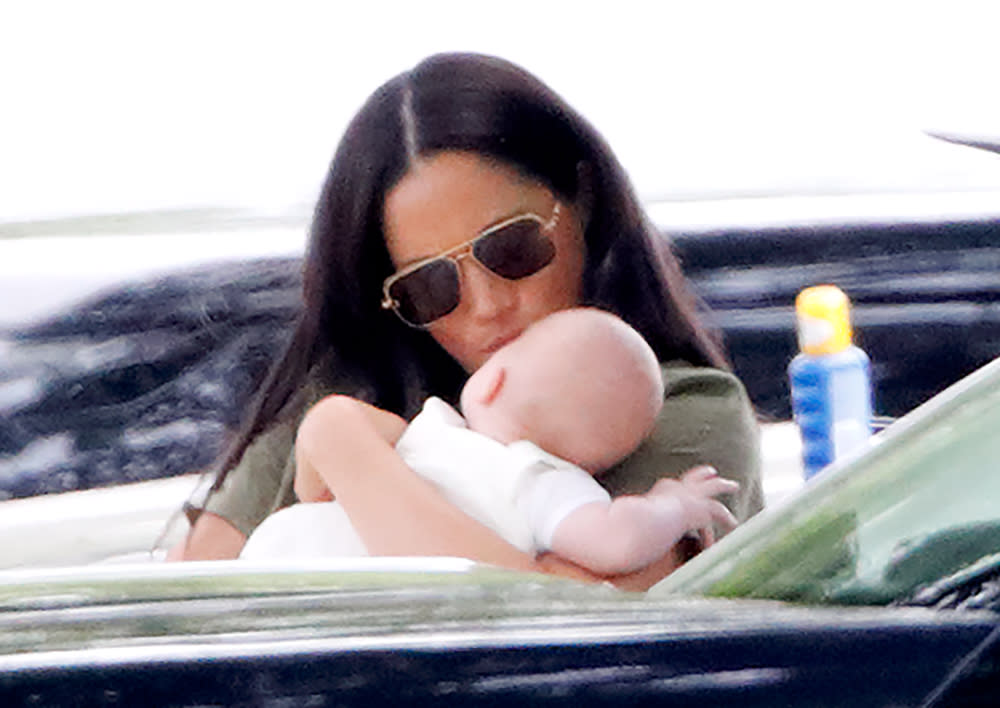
718, 485
699, 474
722, 516
710, 486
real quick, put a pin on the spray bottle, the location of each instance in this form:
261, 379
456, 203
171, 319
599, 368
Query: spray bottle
830, 380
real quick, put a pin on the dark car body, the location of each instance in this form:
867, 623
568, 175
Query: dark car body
341, 636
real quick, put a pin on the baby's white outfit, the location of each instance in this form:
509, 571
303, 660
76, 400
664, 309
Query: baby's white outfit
518, 490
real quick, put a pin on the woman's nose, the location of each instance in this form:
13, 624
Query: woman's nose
484, 293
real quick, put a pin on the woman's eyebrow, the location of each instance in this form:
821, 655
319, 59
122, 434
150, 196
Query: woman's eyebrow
520, 210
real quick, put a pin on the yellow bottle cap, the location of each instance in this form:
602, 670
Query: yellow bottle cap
824, 320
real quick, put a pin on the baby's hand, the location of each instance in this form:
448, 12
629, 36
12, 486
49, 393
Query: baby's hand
696, 491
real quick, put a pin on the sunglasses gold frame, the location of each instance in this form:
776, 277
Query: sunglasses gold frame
456, 253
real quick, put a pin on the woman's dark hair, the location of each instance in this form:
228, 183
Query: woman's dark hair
493, 108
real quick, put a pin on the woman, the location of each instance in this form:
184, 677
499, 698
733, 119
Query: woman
471, 147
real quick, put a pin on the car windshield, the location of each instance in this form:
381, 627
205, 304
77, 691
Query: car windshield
918, 506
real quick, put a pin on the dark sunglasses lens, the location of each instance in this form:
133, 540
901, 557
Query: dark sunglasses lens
516, 251
429, 292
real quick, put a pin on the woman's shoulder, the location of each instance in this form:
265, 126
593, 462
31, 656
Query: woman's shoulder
706, 403
707, 419
261, 482
682, 378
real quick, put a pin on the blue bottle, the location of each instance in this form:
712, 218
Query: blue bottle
830, 380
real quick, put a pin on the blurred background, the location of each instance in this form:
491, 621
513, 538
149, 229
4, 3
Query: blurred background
113, 107
122, 105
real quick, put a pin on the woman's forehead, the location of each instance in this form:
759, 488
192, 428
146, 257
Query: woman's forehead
447, 198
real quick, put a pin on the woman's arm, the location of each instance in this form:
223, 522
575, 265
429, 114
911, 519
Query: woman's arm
350, 446
252, 490
211, 538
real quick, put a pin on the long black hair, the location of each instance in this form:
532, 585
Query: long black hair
496, 109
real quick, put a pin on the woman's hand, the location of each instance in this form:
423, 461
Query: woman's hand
636, 581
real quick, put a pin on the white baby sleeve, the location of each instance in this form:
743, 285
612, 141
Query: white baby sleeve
550, 490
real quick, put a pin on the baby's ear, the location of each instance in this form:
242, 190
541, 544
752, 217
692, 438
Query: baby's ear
490, 385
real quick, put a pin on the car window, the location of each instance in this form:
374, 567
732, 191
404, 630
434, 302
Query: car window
921, 504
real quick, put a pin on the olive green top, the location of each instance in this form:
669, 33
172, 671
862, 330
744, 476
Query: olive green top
706, 419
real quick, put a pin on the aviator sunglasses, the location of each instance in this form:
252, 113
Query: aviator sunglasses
429, 289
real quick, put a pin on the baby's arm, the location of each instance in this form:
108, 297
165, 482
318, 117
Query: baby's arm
319, 429
348, 447
631, 531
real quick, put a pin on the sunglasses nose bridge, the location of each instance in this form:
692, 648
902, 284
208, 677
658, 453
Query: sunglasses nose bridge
464, 252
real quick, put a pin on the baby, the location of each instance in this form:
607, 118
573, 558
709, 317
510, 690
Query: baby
573, 395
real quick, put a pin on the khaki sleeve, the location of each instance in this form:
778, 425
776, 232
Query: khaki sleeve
707, 419
261, 483
264, 480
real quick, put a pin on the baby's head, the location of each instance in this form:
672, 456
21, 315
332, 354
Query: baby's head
580, 383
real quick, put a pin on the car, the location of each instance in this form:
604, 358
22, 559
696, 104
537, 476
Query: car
436, 632
877, 583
